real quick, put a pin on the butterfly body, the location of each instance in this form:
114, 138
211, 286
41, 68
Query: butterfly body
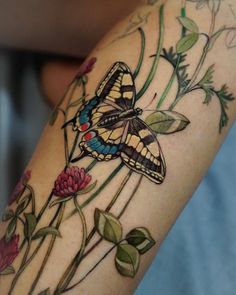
113, 128
111, 120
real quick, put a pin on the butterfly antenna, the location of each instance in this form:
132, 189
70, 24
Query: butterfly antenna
150, 102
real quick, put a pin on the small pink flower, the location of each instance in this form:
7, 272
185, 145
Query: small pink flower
8, 251
20, 187
71, 181
86, 67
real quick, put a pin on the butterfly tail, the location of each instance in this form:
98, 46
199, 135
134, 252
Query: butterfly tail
80, 156
70, 122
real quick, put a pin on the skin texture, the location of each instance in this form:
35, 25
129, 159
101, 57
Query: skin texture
187, 154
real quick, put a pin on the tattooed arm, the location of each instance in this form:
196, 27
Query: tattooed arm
122, 154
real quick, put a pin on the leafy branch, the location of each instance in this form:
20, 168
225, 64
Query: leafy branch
223, 95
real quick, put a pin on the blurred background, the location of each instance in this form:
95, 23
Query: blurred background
198, 256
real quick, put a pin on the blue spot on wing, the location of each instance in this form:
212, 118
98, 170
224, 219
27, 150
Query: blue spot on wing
85, 114
98, 145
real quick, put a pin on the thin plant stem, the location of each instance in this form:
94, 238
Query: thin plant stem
65, 128
62, 209
157, 55
91, 270
169, 85
44, 207
28, 261
71, 270
104, 184
205, 49
91, 165
49, 250
173, 76
120, 214
131, 196
190, 87
141, 56
78, 133
29, 187
100, 239
75, 262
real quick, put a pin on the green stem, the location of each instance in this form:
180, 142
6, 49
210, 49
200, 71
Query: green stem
174, 73
168, 86
141, 56
29, 187
28, 261
103, 185
49, 250
100, 240
92, 269
202, 59
157, 55
44, 207
205, 50
73, 266
65, 128
68, 275
91, 165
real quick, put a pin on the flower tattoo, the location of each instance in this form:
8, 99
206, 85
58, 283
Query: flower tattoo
71, 181
20, 187
8, 251
86, 67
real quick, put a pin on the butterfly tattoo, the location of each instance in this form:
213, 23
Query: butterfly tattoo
112, 127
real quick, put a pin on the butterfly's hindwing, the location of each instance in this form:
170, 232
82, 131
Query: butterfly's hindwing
102, 143
141, 152
118, 86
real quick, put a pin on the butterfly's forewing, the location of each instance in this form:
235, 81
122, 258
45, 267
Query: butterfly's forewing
141, 151
116, 92
118, 86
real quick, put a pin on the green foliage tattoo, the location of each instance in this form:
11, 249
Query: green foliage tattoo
106, 127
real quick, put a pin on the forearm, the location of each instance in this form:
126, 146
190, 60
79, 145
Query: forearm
141, 173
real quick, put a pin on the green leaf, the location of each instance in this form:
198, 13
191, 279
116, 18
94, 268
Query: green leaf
215, 37
108, 226
8, 271
30, 224
127, 260
59, 201
187, 42
88, 189
188, 24
178, 63
209, 94
45, 231
141, 239
166, 122
45, 292
53, 117
207, 79
7, 215
23, 203
224, 97
11, 229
